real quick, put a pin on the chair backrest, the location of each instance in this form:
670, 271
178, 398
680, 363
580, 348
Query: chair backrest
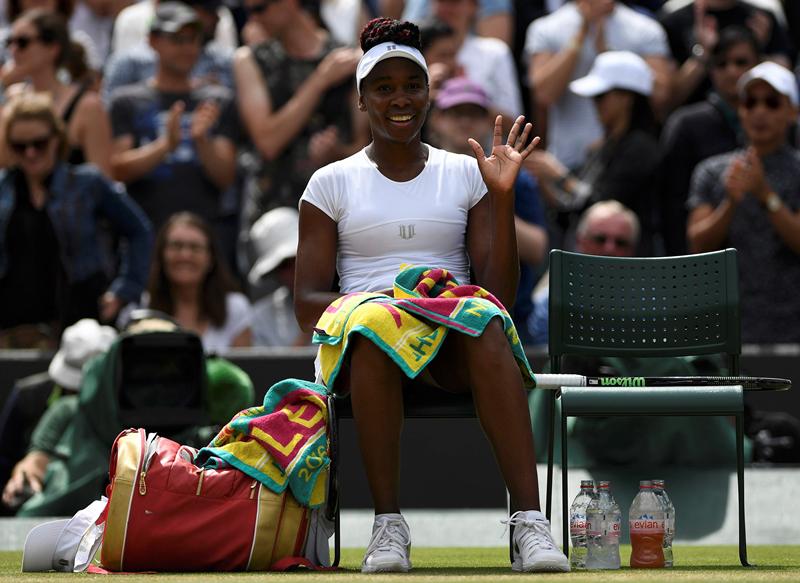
644, 306
161, 382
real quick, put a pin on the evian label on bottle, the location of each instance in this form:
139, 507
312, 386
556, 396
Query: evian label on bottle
614, 527
646, 525
578, 524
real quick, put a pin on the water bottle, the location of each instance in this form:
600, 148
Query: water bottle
646, 521
604, 521
577, 524
669, 520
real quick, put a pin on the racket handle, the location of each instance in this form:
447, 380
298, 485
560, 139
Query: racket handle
555, 381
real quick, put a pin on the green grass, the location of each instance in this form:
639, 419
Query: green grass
693, 564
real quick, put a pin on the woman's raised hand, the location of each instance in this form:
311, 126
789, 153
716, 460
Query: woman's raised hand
500, 169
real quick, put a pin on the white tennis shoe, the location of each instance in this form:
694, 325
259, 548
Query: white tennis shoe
534, 547
390, 547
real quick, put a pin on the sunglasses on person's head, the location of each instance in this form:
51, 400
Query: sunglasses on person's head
39, 145
22, 42
771, 102
741, 63
602, 239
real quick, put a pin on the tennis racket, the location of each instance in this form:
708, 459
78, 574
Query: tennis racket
556, 381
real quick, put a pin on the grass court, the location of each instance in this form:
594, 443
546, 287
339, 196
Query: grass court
701, 564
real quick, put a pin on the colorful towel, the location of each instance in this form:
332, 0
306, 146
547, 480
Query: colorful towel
411, 326
282, 443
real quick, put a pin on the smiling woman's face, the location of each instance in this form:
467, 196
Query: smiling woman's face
395, 97
186, 255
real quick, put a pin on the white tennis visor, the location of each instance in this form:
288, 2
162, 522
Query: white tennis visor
386, 51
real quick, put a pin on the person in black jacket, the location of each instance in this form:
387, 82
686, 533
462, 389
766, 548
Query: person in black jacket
701, 130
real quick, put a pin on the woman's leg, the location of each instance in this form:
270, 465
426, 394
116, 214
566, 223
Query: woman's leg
486, 366
376, 384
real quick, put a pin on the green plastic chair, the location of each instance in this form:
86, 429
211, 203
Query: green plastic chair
644, 307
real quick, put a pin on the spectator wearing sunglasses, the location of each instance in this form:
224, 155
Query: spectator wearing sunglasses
622, 166
129, 65
53, 269
606, 228
750, 199
131, 27
698, 131
40, 47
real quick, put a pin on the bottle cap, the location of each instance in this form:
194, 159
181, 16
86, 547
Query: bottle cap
604, 484
587, 484
658, 484
645, 484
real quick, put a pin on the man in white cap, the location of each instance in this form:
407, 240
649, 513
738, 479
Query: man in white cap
80, 342
749, 199
274, 239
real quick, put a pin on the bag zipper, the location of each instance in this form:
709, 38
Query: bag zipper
253, 489
151, 448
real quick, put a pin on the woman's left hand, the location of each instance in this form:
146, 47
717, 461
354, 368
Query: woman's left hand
500, 169
110, 305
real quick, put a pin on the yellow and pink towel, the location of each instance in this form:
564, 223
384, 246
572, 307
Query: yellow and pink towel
411, 326
283, 443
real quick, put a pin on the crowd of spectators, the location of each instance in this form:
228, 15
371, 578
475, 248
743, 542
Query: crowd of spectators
181, 136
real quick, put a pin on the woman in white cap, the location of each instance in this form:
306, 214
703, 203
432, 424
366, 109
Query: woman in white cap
623, 165
401, 201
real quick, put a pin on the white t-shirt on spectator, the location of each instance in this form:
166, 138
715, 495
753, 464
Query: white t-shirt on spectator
214, 339
383, 224
240, 315
572, 124
489, 62
132, 27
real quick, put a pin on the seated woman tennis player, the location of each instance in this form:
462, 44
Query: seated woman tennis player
399, 201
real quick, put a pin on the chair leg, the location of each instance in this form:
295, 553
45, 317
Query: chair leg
740, 483
332, 504
510, 529
564, 493
551, 430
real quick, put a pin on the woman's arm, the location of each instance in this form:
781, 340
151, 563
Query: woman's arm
129, 220
271, 131
95, 131
491, 235
316, 265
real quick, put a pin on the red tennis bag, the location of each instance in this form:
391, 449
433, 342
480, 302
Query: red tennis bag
166, 514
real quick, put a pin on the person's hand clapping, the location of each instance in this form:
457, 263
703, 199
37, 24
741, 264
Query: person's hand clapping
705, 27
323, 146
500, 169
338, 65
736, 180
203, 119
545, 166
172, 128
